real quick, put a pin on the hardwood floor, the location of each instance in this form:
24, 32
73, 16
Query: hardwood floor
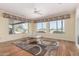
66, 48
12, 50
9, 49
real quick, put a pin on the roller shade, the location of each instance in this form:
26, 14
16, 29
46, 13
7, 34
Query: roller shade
54, 18
13, 17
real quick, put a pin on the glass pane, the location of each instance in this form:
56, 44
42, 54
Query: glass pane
52, 25
63, 26
59, 25
44, 25
20, 28
39, 25
10, 26
25, 26
10, 29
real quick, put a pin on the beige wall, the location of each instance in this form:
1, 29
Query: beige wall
32, 27
4, 28
69, 30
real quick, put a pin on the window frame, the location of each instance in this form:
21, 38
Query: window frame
42, 28
13, 28
57, 30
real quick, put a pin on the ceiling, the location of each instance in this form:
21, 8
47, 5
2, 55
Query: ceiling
46, 9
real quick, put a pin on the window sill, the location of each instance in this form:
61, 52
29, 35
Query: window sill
41, 32
59, 32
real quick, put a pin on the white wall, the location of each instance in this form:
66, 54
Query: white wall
77, 27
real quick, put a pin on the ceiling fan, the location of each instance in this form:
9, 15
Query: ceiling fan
36, 11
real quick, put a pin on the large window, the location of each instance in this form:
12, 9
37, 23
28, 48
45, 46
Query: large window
41, 26
56, 26
18, 28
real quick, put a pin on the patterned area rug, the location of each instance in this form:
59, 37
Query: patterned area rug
35, 49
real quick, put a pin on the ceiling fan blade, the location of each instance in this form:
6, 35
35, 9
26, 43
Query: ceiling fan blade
37, 11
